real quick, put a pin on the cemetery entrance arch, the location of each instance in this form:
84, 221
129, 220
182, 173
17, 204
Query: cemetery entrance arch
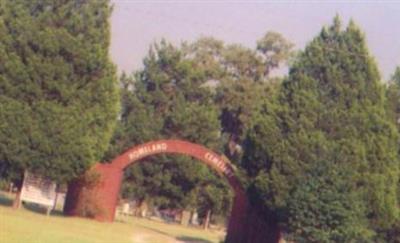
245, 224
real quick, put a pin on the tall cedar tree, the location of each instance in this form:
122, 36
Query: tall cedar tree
323, 156
58, 89
393, 109
393, 97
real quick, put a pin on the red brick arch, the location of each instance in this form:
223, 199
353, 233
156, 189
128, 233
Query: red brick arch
245, 225
220, 164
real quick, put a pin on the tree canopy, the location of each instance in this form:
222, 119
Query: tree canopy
58, 88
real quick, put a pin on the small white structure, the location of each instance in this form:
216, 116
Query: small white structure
37, 189
126, 209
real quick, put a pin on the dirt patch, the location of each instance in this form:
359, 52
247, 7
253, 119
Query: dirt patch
148, 238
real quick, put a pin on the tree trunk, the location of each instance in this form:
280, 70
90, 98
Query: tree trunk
17, 200
56, 199
11, 186
232, 146
207, 219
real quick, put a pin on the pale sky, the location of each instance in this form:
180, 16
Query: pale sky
137, 24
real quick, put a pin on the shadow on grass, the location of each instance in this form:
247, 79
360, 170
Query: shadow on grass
34, 208
57, 213
5, 201
183, 238
158, 231
188, 239
42, 209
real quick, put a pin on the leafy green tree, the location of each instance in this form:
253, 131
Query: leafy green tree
275, 50
240, 77
329, 116
58, 89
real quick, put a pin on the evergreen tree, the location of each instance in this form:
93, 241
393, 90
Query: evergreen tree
58, 91
393, 109
324, 155
393, 97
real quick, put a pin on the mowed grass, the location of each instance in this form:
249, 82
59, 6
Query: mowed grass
23, 226
26, 226
162, 232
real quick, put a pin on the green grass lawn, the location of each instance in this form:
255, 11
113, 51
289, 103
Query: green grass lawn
27, 226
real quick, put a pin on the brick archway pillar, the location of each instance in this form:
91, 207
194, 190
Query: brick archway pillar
105, 193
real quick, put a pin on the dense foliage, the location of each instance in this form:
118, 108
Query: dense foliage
393, 97
323, 155
202, 92
58, 89
167, 100
240, 77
